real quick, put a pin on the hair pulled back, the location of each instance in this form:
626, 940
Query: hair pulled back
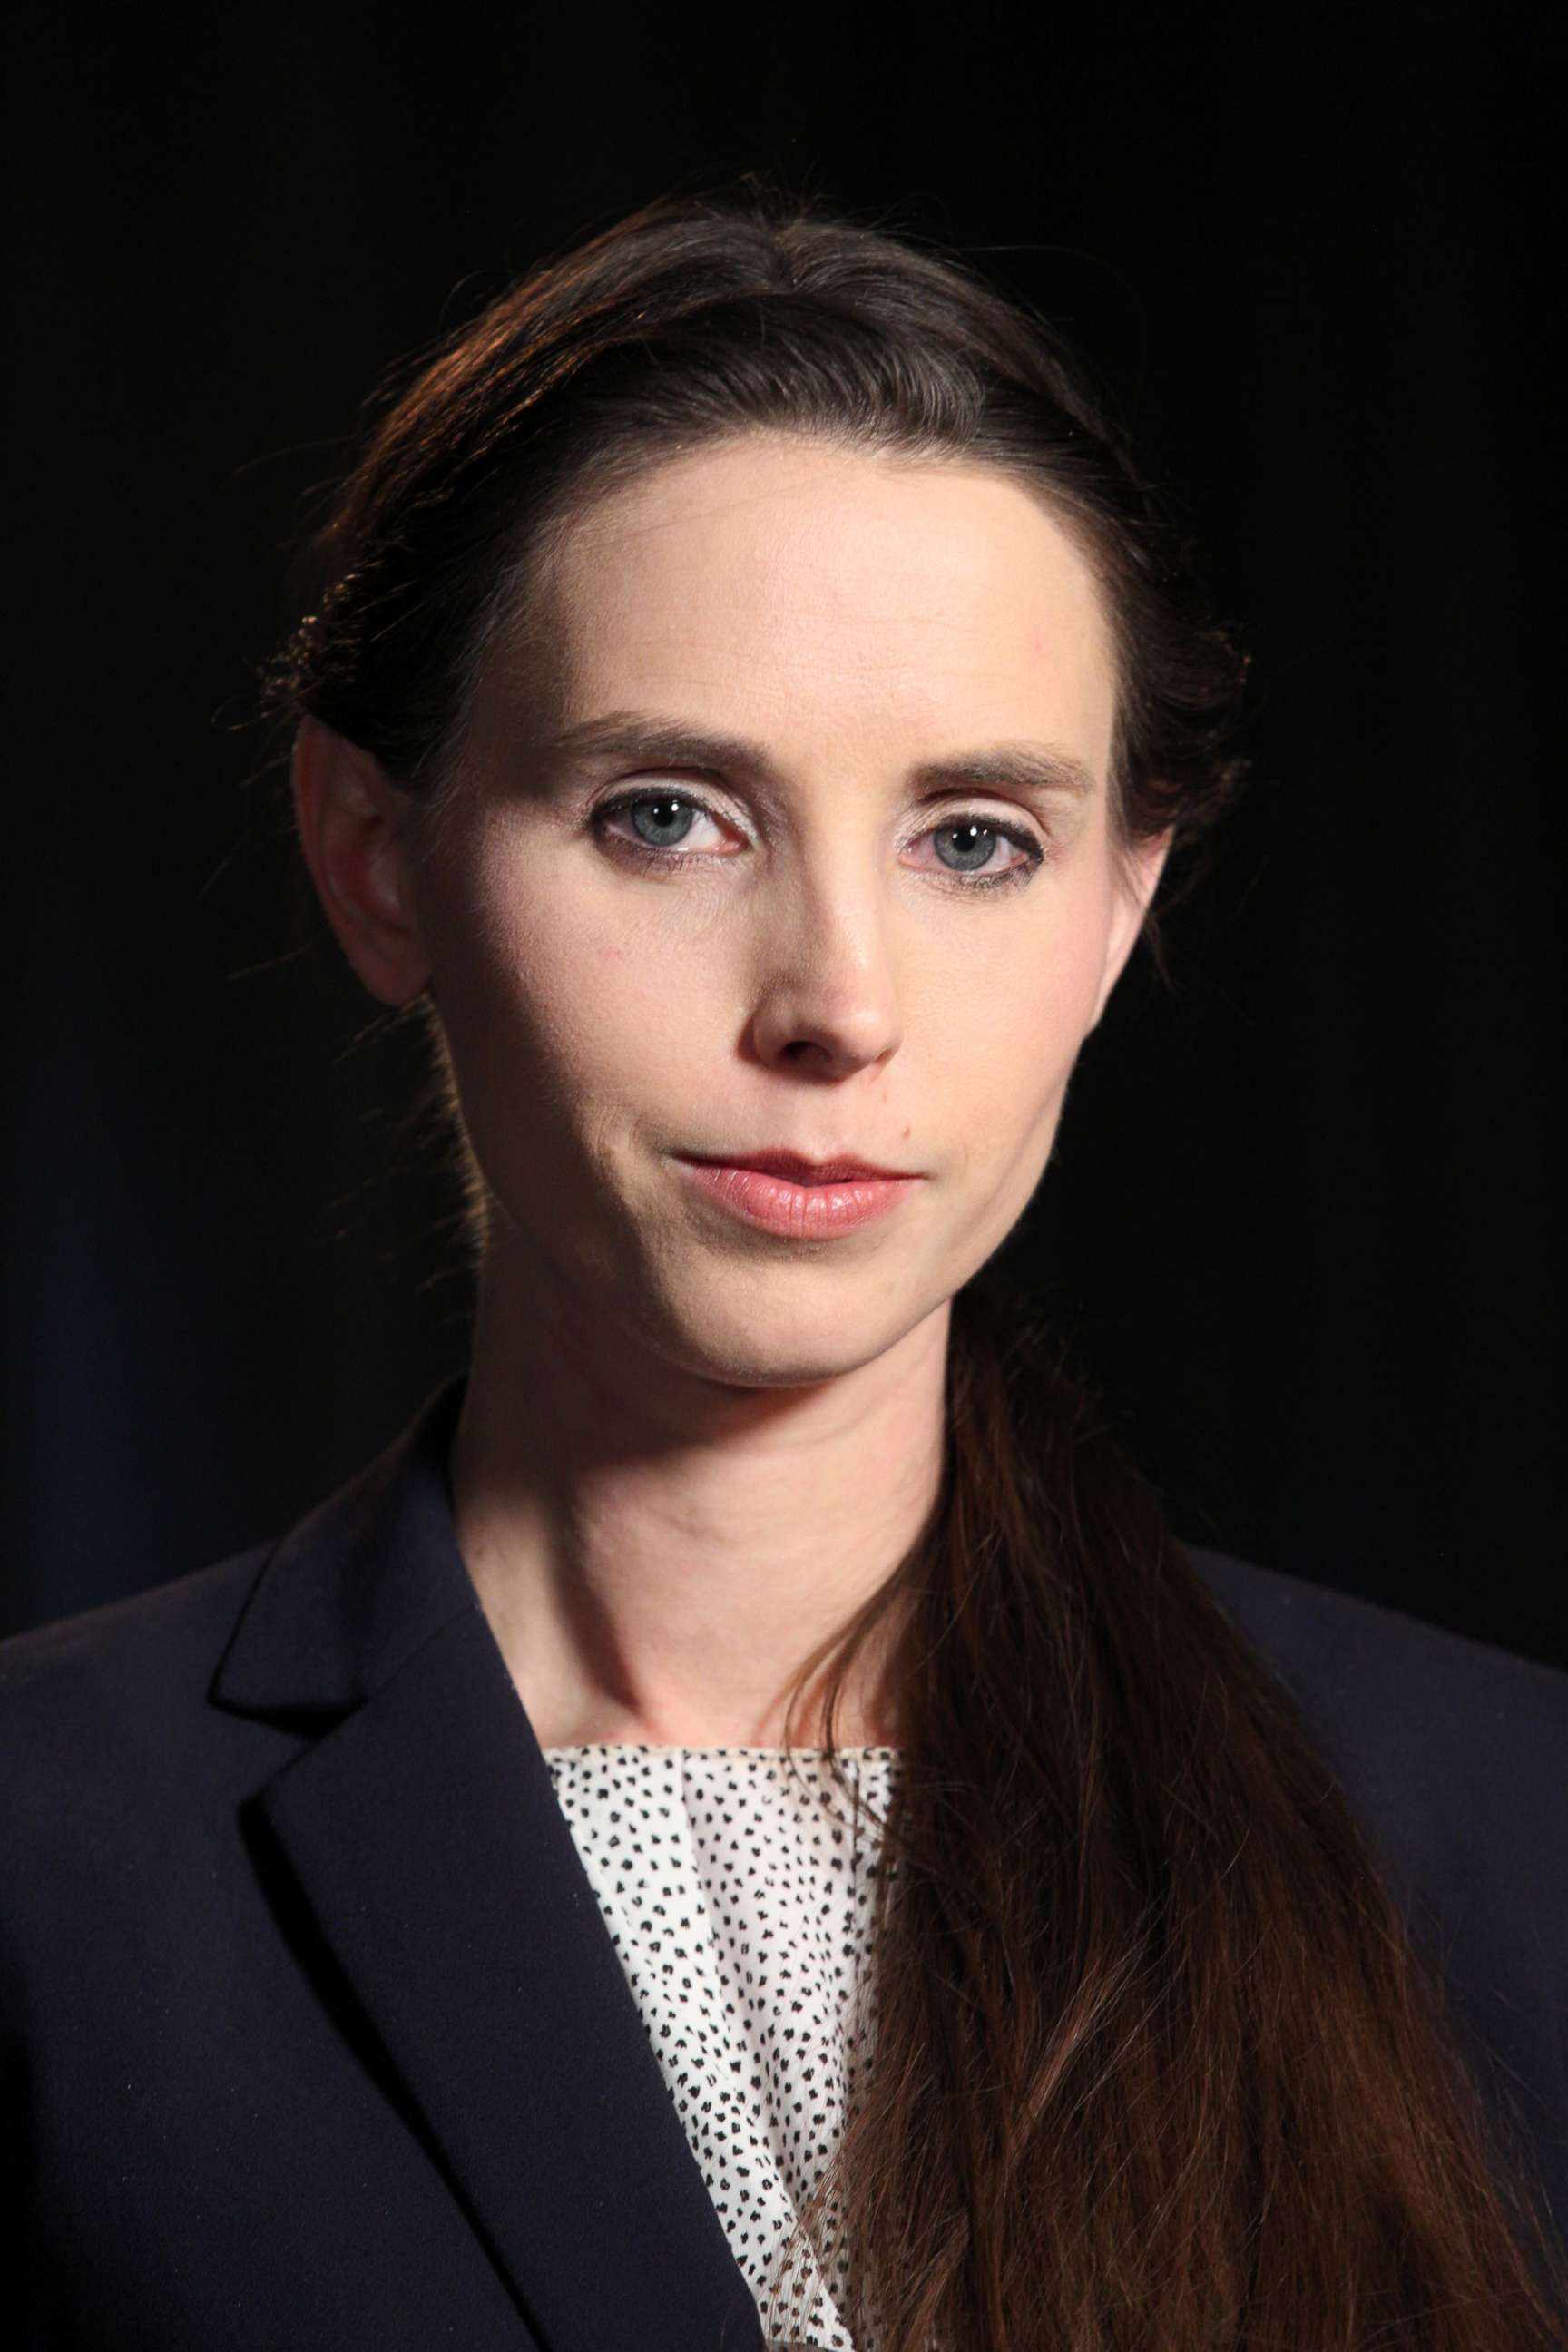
695, 321
1158, 2066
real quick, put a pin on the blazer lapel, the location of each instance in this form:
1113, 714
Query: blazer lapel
424, 1832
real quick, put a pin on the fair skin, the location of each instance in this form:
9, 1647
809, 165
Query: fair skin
689, 1449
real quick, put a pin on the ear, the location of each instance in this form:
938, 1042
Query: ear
1137, 879
353, 824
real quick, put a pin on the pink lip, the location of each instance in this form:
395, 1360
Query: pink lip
798, 1167
777, 1203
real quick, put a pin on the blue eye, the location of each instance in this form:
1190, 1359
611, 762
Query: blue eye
671, 820
663, 821
979, 840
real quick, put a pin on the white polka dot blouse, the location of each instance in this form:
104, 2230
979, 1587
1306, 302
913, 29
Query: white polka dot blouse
737, 1885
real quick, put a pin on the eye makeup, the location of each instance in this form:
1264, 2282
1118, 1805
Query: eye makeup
651, 856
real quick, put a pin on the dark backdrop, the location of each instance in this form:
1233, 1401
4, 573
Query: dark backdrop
1302, 1217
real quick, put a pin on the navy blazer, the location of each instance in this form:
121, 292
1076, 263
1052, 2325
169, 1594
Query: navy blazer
312, 2033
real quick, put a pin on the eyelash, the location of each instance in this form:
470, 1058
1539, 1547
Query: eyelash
646, 856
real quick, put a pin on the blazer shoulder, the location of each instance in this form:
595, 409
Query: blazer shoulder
1347, 1649
1452, 1754
1454, 1751
110, 1683
126, 1636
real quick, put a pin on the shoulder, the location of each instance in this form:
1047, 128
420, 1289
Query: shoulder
1393, 1693
1453, 1756
144, 1645
108, 1708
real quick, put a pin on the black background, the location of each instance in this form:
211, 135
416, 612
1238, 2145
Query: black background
1301, 1217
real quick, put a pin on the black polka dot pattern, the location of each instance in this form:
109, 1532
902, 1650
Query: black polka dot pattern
737, 1885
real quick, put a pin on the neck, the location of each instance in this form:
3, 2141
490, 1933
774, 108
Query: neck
659, 1552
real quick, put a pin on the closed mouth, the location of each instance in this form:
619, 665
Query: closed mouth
797, 1170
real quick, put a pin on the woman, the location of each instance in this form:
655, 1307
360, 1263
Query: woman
743, 1825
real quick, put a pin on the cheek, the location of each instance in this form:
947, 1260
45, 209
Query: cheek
546, 1001
1011, 1032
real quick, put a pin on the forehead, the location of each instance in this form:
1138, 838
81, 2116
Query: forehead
849, 596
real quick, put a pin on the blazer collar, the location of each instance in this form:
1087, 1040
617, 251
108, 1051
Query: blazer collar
359, 1584
420, 1828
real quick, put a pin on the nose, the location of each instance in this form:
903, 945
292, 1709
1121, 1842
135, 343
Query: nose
825, 994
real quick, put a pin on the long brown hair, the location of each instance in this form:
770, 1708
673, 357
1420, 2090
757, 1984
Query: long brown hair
1157, 2062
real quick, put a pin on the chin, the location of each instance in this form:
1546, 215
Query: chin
749, 1339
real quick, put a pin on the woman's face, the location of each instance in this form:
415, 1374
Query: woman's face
779, 946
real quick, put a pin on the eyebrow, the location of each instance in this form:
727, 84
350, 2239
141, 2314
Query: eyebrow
637, 735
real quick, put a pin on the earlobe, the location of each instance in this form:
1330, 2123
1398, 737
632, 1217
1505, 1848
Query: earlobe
353, 824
